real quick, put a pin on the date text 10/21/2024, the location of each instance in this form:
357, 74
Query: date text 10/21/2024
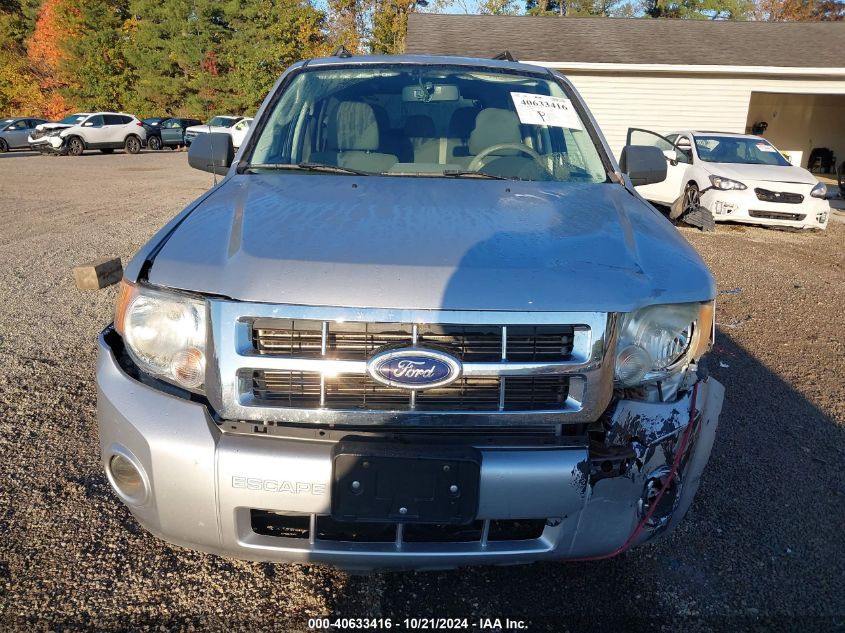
417, 624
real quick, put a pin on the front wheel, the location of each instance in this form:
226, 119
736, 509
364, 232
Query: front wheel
75, 146
4, 146
132, 145
154, 143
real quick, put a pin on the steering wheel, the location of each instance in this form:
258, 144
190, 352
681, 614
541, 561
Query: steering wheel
475, 163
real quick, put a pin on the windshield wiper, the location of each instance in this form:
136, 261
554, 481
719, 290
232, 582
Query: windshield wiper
331, 169
456, 173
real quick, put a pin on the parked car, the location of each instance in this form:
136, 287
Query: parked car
423, 321
169, 133
737, 177
106, 131
221, 123
153, 127
14, 132
239, 130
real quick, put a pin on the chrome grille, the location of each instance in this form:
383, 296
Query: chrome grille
357, 341
308, 365
303, 389
785, 197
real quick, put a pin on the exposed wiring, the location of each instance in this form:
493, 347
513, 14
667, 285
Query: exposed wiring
673, 472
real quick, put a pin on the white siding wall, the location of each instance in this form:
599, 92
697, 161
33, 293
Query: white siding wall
666, 102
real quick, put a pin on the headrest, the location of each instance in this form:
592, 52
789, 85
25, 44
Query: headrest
419, 126
462, 122
494, 126
354, 127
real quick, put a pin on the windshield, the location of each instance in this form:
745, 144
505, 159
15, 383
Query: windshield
739, 150
73, 118
222, 121
444, 121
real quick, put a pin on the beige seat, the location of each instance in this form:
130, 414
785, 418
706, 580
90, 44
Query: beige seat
457, 142
420, 131
353, 138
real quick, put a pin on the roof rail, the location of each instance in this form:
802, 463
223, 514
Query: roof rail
341, 52
505, 56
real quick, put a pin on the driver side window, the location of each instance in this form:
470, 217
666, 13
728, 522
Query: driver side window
671, 146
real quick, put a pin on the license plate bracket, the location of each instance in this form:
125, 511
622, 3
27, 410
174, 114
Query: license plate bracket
403, 483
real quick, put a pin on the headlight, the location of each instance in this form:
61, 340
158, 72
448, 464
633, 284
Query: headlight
819, 191
726, 184
164, 332
658, 340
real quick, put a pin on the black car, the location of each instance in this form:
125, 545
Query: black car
167, 132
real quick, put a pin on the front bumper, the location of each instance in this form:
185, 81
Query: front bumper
203, 480
743, 206
47, 143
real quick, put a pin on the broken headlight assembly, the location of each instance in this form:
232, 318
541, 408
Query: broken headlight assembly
658, 342
164, 333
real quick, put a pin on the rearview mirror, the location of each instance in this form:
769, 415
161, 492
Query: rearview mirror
212, 152
431, 92
644, 164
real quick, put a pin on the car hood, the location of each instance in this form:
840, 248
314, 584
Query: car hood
202, 129
53, 126
424, 243
762, 173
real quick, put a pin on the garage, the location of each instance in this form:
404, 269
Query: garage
668, 75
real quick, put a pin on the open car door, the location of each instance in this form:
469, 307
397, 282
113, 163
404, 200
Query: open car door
678, 162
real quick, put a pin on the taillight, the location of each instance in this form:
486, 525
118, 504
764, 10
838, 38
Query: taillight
139, 124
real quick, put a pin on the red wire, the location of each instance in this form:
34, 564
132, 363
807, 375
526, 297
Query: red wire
676, 463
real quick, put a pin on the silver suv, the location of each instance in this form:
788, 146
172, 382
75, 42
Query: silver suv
105, 131
425, 320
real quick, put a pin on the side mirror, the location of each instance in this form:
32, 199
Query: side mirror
644, 164
212, 152
671, 154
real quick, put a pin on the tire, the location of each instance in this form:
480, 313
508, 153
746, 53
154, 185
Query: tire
107, 150
75, 146
4, 146
154, 143
132, 145
688, 201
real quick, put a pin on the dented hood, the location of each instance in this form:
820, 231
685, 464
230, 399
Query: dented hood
762, 173
426, 243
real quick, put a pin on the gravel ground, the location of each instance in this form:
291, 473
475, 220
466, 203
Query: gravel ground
762, 547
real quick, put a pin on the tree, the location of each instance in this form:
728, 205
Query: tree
799, 10
173, 47
264, 38
699, 9
498, 7
94, 64
575, 7
390, 24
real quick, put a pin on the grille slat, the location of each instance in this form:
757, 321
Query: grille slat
777, 215
302, 390
785, 197
358, 341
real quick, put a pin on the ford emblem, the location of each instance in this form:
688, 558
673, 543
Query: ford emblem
414, 368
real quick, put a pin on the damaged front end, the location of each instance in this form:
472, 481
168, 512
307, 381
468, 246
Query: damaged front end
48, 140
649, 449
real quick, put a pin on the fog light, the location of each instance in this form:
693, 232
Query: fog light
127, 479
632, 363
821, 218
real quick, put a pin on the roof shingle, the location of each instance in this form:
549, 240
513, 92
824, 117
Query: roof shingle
630, 40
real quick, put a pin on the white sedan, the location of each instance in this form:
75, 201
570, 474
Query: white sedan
737, 177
